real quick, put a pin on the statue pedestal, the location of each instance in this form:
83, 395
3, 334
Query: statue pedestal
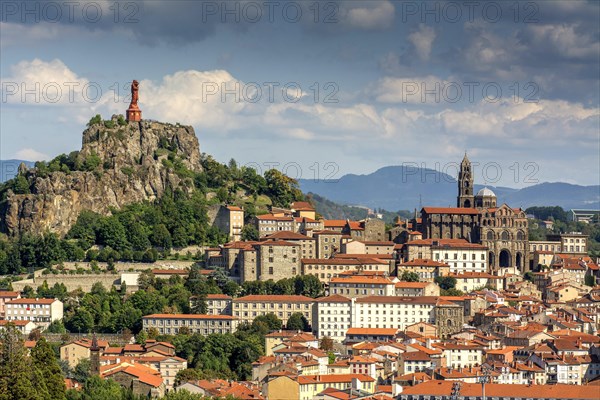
134, 114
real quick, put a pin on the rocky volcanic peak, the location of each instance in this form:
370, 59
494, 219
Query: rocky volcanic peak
136, 161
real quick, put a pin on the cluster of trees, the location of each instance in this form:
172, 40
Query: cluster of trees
447, 286
332, 210
37, 376
228, 179
175, 220
304, 285
40, 375
110, 311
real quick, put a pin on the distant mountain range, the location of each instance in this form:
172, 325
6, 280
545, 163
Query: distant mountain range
9, 168
400, 188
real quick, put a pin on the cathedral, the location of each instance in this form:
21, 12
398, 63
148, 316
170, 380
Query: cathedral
478, 219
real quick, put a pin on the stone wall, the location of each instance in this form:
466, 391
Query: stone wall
72, 282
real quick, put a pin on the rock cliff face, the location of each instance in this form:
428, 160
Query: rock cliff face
122, 164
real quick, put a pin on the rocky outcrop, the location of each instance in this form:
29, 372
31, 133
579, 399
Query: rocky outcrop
121, 163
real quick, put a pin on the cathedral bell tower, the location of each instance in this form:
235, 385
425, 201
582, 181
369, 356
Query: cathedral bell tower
465, 197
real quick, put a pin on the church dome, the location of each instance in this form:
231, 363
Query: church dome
485, 192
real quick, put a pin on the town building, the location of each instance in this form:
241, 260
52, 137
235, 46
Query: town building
459, 254
170, 324
42, 312
426, 269
332, 317
446, 389
353, 286
418, 289
249, 307
325, 269
230, 219
5, 296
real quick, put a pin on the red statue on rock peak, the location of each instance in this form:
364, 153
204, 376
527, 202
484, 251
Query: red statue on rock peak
133, 112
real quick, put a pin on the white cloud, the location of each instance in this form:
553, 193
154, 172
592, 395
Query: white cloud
369, 15
39, 82
31, 155
196, 97
423, 41
411, 90
565, 40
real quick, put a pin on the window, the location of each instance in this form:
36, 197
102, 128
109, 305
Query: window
270, 270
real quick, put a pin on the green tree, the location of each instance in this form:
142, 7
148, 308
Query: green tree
91, 162
409, 276
161, 237
451, 292
308, 285
270, 320
187, 375
21, 185
298, 322
249, 232
282, 189
81, 372
112, 233
16, 377
96, 388
45, 361
326, 343
446, 282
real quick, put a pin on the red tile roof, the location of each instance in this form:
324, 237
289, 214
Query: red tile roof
451, 210
188, 316
287, 235
362, 279
474, 390
31, 301
334, 298
274, 298
372, 331
341, 378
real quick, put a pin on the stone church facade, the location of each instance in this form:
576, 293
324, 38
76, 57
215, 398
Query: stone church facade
478, 219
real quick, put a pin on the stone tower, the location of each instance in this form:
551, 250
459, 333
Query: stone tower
133, 112
95, 357
465, 184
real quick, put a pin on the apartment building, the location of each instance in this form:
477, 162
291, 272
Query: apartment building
400, 312
411, 289
307, 244
325, 269
332, 317
270, 259
471, 281
7, 296
426, 269
78, 350
392, 312
218, 304
230, 219
361, 286
307, 387
459, 254
270, 223
461, 355
368, 247
327, 243
42, 312
249, 307
169, 324
24, 327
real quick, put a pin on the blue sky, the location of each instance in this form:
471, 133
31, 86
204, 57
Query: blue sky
379, 83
